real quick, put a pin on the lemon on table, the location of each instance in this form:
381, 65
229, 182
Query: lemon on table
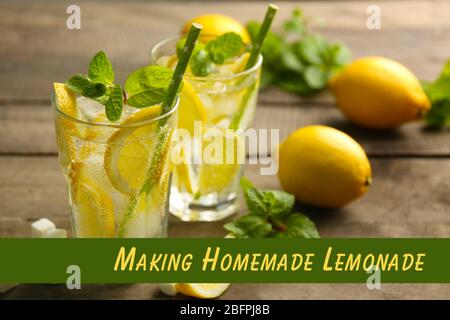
202, 290
377, 92
217, 24
94, 206
323, 167
128, 151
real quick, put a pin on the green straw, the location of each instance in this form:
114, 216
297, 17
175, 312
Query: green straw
257, 46
177, 78
167, 104
256, 51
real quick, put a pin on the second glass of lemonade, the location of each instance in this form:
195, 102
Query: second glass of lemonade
219, 106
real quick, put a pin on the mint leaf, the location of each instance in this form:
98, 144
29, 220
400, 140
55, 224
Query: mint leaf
291, 61
100, 69
296, 23
114, 105
315, 77
82, 85
439, 115
438, 93
201, 64
224, 47
249, 226
266, 202
296, 225
147, 86
311, 48
180, 45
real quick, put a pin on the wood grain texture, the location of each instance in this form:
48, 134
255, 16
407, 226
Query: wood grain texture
37, 49
29, 129
411, 167
409, 198
238, 292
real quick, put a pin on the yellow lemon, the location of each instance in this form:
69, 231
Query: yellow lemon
323, 167
202, 290
217, 24
128, 152
377, 92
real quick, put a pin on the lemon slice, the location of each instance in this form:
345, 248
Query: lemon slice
66, 103
241, 62
202, 290
128, 152
191, 109
66, 99
218, 177
94, 207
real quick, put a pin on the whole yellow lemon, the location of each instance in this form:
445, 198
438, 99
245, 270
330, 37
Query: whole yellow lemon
217, 24
323, 167
377, 92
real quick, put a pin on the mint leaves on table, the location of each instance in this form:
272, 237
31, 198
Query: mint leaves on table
297, 60
144, 87
439, 94
215, 51
270, 216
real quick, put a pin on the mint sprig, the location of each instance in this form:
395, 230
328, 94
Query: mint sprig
438, 92
144, 87
270, 215
296, 59
99, 85
215, 51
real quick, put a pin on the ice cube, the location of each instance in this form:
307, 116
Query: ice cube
91, 110
40, 228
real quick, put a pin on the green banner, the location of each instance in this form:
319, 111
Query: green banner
224, 260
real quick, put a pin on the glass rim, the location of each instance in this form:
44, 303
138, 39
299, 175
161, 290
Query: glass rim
112, 124
200, 78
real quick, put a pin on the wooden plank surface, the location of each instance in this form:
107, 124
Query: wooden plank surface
238, 291
35, 31
29, 129
409, 197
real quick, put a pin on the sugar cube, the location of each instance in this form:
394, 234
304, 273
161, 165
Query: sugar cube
40, 228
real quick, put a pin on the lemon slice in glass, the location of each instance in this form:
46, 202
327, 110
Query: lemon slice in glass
67, 104
191, 109
94, 207
128, 152
217, 177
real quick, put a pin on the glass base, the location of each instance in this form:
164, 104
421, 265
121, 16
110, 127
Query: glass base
202, 210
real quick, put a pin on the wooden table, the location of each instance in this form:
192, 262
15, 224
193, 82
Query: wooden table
409, 198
